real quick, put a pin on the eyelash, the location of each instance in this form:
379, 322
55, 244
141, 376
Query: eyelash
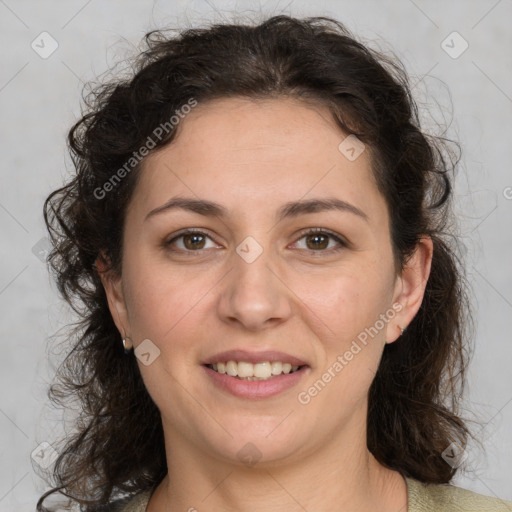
313, 231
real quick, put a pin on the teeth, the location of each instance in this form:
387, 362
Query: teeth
232, 368
258, 371
261, 370
245, 370
277, 368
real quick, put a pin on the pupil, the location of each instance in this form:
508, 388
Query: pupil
193, 244
317, 238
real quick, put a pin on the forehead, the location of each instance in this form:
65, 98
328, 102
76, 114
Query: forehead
260, 128
257, 152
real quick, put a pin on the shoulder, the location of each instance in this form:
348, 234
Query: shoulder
449, 498
135, 503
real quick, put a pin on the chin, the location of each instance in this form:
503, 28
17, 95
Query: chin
258, 445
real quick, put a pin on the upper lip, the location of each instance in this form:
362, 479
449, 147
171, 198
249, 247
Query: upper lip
253, 357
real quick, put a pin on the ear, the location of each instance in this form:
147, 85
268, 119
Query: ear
112, 283
410, 287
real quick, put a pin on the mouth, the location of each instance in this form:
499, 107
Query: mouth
254, 381
262, 371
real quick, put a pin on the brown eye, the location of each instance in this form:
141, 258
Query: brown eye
319, 240
190, 241
315, 241
193, 241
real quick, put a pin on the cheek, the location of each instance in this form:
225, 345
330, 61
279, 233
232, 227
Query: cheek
349, 346
162, 303
347, 302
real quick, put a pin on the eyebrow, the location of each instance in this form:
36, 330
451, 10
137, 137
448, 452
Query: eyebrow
288, 210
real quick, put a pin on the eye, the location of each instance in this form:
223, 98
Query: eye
319, 240
316, 240
189, 240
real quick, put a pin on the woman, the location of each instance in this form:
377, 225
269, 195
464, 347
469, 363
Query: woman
272, 316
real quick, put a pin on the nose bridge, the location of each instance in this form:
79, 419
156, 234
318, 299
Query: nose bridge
253, 294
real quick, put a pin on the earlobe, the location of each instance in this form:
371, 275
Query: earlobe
112, 284
411, 285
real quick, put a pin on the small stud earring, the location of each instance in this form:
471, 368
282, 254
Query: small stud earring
127, 344
403, 329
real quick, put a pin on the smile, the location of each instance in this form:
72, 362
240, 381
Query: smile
247, 371
254, 381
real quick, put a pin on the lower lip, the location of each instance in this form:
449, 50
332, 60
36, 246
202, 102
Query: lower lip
255, 389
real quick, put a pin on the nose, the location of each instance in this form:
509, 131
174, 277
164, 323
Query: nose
254, 295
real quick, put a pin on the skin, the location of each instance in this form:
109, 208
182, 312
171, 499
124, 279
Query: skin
252, 157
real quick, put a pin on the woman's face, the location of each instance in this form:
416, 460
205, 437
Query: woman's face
255, 282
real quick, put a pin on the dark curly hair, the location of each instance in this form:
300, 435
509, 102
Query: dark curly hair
414, 400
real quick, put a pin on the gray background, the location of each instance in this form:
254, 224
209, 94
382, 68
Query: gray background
39, 100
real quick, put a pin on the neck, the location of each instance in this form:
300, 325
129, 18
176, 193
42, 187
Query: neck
347, 475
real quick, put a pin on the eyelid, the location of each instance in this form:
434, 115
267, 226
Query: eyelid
308, 231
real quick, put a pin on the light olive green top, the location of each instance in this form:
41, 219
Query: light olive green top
421, 498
